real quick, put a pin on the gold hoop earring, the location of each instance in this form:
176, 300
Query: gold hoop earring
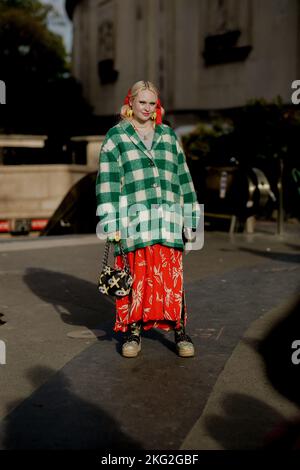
153, 116
129, 112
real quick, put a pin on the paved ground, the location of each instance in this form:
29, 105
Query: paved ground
64, 387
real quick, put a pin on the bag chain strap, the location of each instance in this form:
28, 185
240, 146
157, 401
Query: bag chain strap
106, 253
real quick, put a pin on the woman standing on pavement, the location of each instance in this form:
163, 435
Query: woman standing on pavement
146, 198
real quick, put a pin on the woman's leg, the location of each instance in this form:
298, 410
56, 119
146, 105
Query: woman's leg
132, 340
184, 344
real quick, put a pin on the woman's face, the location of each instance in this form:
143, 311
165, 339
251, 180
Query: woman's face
144, 105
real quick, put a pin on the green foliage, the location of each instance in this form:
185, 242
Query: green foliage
260, 130
259, 134
32, 7
28, 49
205, 141
41, 94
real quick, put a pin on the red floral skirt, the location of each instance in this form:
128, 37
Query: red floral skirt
157, 295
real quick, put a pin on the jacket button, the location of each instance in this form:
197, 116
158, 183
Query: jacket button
151, 163
154, 185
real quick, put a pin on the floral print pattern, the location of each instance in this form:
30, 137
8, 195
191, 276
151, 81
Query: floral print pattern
157, 296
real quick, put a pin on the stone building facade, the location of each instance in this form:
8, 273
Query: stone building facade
202, 54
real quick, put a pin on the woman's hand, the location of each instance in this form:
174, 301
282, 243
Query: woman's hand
114, 237
188, 235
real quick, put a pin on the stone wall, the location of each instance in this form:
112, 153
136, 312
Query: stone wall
29, 191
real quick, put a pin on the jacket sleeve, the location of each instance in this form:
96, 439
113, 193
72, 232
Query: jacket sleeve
108, 187
191, 208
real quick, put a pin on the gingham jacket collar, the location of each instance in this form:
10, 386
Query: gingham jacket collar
134, 137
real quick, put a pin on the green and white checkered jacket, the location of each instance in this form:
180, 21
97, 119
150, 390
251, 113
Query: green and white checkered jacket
148, 195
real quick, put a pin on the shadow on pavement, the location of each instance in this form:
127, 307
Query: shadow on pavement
276, 350
282, 366
54, 417
275, 256
244, 423
79, 303
293, 246
248, 423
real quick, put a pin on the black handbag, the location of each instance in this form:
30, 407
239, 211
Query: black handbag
112, 281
